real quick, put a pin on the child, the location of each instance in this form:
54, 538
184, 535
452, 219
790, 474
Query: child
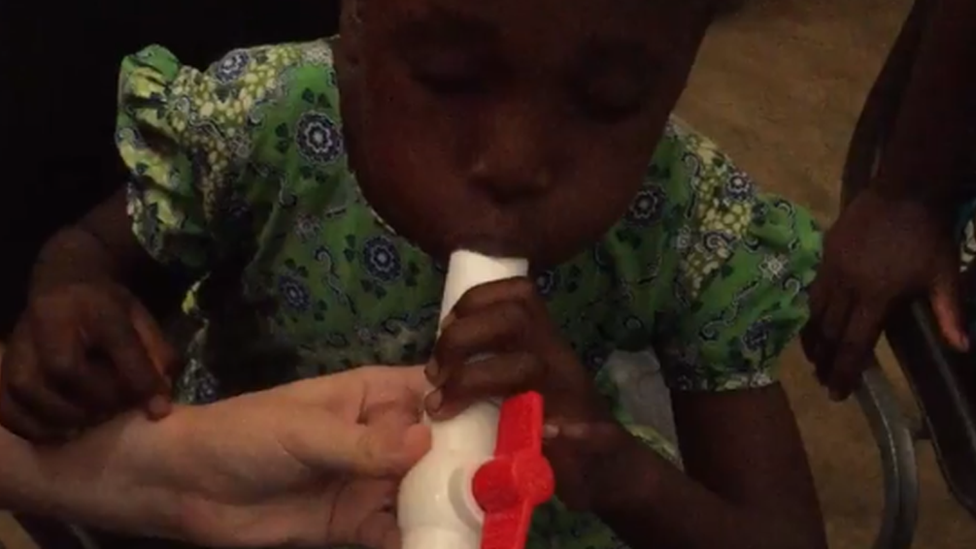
318, 228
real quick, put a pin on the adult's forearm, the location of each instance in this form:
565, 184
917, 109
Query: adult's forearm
931, 134
651, 504
109, 478
21, 487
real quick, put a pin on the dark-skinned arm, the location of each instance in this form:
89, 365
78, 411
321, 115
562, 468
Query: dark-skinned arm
930, 135
102, 247
746, 483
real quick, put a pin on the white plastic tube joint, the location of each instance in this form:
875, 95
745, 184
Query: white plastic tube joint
477, 486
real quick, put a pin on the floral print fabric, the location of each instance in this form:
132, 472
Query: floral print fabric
240, 178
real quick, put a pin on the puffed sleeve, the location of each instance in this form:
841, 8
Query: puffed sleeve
186, 136
743, 263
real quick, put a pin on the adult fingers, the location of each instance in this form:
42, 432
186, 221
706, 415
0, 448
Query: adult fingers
328, 445
402, 387
380, 530
393, 387
944, 297
855, 349
364, 515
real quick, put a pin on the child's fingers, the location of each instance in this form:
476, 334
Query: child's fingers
592, 434
498, 327
520, 291
158, 407
484, 352
499, 375
163, 356
21, 423
35, 389
53, 349
112, 332
51, 408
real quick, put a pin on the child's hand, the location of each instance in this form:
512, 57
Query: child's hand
506, 328
79, 355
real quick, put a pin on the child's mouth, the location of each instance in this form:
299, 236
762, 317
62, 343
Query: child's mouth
495, 245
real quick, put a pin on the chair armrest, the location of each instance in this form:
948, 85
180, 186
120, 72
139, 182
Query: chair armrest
944, 384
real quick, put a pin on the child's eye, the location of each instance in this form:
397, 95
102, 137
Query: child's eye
610, 99
451, 83
610, 110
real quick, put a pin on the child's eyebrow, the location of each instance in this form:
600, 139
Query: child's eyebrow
442, 26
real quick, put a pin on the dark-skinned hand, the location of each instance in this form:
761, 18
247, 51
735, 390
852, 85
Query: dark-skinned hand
79, 355
879, 252
505, 327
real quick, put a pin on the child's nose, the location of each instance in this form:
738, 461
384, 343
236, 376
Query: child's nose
513, 160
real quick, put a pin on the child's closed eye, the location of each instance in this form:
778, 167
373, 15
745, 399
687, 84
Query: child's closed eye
608, 105
451, 82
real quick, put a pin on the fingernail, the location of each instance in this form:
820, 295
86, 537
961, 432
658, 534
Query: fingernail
158, 407
434, 401
431, 371
448, 320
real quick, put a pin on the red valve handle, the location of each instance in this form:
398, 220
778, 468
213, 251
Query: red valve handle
519, 478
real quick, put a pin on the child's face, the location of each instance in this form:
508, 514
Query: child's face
510, 127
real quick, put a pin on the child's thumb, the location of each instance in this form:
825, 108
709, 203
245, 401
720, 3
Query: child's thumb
162, 355
946, 304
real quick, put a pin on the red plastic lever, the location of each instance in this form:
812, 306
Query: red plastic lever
519, 478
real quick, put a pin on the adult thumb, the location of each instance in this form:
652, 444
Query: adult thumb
947, 308
331, 445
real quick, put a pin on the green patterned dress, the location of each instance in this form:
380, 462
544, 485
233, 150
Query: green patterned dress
240, 178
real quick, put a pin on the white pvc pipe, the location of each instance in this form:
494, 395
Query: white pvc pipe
436, 508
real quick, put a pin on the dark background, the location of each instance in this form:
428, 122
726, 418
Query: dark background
58, 69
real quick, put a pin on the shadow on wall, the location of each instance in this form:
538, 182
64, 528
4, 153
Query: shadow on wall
58, 69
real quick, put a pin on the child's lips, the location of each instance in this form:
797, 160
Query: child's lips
495, 245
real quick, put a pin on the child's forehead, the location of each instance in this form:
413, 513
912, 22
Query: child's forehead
504, 20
